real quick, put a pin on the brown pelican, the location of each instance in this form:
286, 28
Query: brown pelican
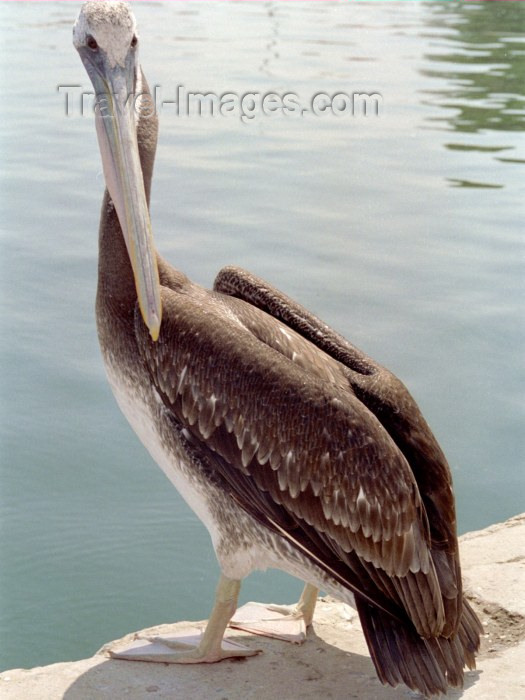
295, 449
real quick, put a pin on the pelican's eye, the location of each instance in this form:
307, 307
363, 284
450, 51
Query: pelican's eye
91, 42
134, 41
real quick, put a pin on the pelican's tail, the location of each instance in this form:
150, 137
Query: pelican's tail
429, 666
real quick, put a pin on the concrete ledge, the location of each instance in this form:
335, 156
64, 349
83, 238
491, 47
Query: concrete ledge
332, 664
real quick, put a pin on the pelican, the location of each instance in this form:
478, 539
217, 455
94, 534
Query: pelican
295, 449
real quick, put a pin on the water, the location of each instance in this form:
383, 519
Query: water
403, 231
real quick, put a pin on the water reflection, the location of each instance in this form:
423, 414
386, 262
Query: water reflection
478, 57
478, 54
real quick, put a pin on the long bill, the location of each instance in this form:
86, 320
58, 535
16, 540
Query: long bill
117, 138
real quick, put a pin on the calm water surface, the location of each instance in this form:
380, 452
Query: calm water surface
403, 231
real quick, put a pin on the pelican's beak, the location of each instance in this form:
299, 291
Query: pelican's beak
117, 137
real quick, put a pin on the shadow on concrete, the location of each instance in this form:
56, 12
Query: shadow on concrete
283, 671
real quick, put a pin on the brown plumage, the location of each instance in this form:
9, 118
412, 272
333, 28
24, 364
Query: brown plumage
339, 459
271, 419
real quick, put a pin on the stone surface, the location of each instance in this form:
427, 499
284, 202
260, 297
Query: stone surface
493, 562
333, 664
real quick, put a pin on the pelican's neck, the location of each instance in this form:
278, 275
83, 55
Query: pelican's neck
116, 284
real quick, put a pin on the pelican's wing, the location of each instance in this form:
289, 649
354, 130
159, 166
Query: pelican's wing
305, 457
389, 400
307, 445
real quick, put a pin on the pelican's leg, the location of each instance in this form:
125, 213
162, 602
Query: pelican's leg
290, 623
181, 649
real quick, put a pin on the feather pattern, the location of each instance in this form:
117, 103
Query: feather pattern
329, 464
332, 449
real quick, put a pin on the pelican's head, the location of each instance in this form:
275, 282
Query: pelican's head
110, 26
105, 36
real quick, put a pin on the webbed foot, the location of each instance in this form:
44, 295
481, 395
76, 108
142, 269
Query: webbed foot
191, 646
286, 622
185, 647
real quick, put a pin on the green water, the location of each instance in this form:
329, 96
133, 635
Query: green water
404, 231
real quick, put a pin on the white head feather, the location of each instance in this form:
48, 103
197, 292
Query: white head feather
111, 24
